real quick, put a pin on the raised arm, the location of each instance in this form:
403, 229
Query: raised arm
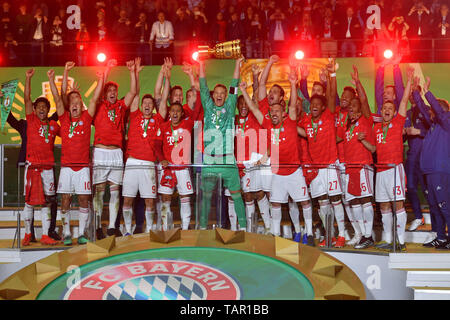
293, 103
97, 93
379, 86
406, 94
442, 116
188, 70
159, 81
262, 91
237, 67
55, 93
398, 79
27, 92
304, 73
204, 90
138, 68
231, 102
129, 97
332, 88
68, 66
251, 104
165, 95
365, 108
256, 71
109, 65
420, 103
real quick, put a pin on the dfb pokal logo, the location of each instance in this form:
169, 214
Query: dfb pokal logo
156, 280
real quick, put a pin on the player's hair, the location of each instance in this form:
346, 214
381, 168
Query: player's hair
187, 92
321, 98
149, 96
177, 104
318, 83
350, 89
390, 86
239, 99
175, 88
109, 84
41, 99
219, 85
278, 104
444, 104
74, 92
389, 101
281, 89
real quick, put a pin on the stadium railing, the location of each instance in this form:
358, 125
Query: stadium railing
429, 50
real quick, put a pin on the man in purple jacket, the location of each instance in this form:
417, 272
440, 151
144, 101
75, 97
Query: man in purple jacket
435, 163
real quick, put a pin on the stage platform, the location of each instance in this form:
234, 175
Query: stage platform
245, 265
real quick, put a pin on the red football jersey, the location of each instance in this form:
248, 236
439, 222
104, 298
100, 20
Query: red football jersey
341, 125
141, 135
389, 141
321, 136
76, 140
284, 157
109, 122
41, 140
247, 137
354, 150
176, 142
196, 114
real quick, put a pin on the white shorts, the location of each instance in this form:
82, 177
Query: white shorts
74, 182
384, 187
184, 182
48, 182
264, 178
293, 185
108, 165
327, 181
139, 176
366, 184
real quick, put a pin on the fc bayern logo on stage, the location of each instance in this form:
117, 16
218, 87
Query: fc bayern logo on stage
156, 280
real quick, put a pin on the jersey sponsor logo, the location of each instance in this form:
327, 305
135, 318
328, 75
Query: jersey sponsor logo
379, 137
156, 280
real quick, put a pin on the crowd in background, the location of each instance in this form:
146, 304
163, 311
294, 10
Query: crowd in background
36, 32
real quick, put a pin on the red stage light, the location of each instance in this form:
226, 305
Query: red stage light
195, 56
388, 54
101, 57
299, 54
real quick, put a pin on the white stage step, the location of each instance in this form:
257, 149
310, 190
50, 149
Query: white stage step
429, 294
428, 274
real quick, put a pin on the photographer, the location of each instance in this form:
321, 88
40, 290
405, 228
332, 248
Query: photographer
397, 29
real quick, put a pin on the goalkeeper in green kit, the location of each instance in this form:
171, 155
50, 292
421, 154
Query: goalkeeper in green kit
218, 138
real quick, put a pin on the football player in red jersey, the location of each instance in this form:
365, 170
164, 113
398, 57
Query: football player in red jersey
320, 130
246, 146
357, 146
75, 134
288, 180
175, 136
142, 153
390, 181
109, 122
39, 179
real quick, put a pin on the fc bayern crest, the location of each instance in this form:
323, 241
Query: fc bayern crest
156, 280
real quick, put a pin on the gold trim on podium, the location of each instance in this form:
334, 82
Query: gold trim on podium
330, 278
